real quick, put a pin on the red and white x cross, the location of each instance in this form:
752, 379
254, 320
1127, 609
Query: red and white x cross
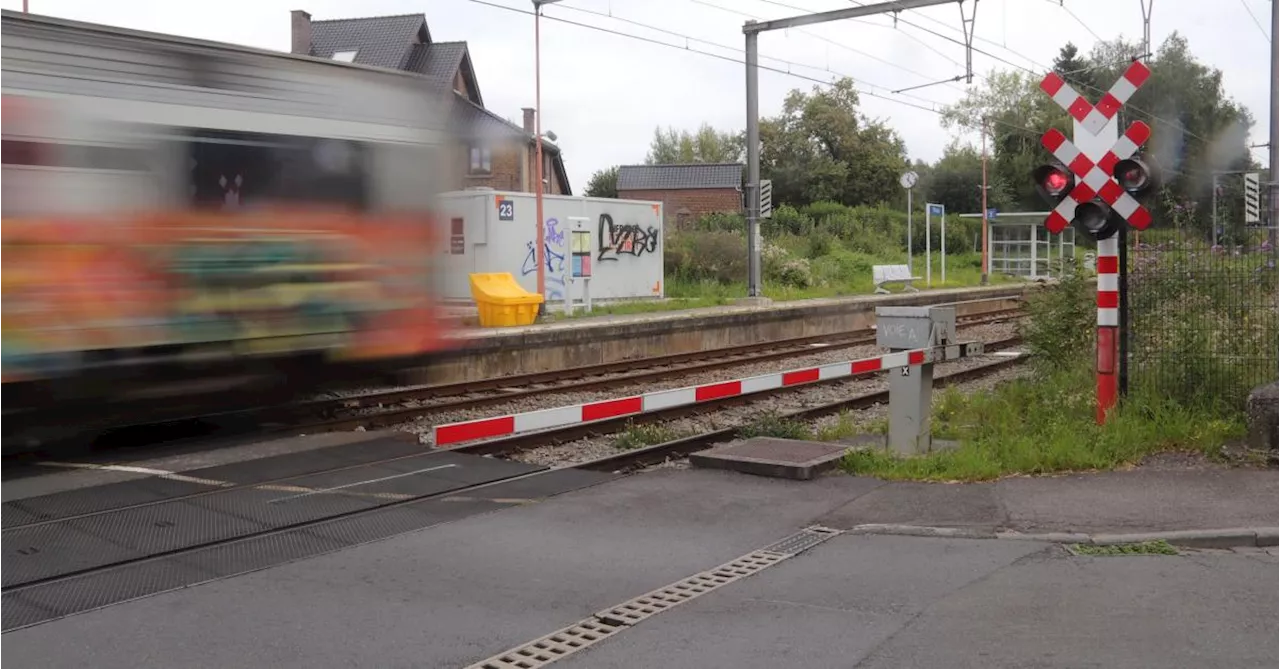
1096, 178
1094, 118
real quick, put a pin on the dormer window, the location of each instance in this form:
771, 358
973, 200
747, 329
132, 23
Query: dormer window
345, 56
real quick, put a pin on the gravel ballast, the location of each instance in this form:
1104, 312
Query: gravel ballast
583, 450
422, 426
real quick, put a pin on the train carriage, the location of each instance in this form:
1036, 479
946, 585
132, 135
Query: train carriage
191, 226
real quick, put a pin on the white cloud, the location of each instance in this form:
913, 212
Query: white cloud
603, 94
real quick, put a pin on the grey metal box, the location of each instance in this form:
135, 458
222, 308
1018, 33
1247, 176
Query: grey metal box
915, 327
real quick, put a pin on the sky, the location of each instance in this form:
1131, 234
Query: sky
603, 93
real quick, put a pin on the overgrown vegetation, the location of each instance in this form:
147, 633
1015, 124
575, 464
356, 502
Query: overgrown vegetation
1045, 422
772, 424
1158, 547
1204, 322
644, 434
821, 250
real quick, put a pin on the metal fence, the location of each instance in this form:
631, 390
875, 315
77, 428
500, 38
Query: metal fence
1202, 314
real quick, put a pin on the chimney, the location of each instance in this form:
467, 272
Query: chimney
301, 30
528, 119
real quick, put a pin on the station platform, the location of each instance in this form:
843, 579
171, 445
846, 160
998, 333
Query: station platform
480, 353
480, 584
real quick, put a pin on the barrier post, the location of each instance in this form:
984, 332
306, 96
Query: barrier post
911, 388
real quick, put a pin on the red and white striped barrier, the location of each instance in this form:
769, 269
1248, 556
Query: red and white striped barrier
501, 426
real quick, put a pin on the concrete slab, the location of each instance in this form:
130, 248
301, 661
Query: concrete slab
469, 589
451, 594
1141, 500
826, 608
1139, 611
975, 506
766, 456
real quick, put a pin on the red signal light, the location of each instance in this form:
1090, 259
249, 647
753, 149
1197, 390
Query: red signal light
1055, 181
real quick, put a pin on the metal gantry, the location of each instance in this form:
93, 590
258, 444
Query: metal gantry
752, 30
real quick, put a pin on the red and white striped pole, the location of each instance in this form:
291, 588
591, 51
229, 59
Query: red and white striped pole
1108, 324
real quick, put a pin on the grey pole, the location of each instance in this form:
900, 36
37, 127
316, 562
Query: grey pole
751, 29
1213, 214
1274, 148
753, 164
909, 263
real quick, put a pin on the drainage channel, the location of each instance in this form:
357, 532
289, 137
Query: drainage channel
608, 623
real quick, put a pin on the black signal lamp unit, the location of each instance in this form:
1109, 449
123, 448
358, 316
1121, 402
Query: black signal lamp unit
1053, 182
1133, 175
1096, 220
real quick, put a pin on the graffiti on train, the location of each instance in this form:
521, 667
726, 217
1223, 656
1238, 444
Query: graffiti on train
626, 239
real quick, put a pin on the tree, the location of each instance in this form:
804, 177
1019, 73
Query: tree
1074, 69
821, 148
603, 183
706, 145
956, 181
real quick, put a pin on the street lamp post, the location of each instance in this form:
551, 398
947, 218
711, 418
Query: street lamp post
540, 235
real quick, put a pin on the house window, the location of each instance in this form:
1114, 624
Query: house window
345, 56
481, 160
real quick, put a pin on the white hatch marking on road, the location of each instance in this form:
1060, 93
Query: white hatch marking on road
360, 483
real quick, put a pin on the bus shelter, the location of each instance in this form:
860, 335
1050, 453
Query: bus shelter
1019, 245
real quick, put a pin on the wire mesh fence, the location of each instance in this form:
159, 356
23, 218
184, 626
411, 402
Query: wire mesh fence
1202, 314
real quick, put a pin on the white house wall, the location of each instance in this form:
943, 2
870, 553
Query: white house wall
626, 242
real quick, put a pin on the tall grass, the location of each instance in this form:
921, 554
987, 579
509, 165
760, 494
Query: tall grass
1045, 421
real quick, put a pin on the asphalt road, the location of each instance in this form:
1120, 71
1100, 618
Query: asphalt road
457, 593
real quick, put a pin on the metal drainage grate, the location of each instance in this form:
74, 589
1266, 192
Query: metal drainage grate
802, 541
581, 635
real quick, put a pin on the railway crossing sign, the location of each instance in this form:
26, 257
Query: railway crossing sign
766, 198
1251, 199
1088, 191
1092, 187
1095, 117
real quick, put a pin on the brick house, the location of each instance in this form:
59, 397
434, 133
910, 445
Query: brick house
489, 150
686, 191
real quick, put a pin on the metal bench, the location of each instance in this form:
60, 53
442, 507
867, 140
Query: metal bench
882, 274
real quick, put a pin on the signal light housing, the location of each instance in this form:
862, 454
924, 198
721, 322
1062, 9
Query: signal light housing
1053, 182
1096, 220
1133, 175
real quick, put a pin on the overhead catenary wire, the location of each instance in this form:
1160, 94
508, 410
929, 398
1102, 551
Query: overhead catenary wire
731, 59
689, 38
1256, 22
832, 42
868, 21
1073, 15
1137, 110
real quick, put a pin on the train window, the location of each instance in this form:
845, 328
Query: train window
233, 169
72, 156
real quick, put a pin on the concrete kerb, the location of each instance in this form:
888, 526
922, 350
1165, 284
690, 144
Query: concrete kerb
1234, 537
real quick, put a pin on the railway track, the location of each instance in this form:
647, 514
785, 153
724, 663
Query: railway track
509, 446
579, 379
365, 410
303, 528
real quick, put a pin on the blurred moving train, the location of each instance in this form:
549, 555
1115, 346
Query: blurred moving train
191, 226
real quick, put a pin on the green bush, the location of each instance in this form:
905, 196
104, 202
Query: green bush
1062, 322
718, 256
786, 220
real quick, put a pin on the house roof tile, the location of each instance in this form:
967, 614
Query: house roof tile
671, 177
379, 41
